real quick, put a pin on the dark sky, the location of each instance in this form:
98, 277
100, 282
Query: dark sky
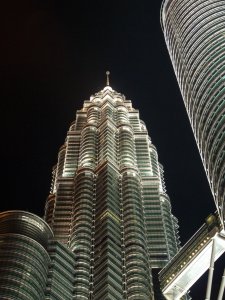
53, 56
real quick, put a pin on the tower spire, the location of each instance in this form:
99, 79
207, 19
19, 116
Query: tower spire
107, 77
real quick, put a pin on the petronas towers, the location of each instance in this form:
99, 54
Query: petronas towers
109, 221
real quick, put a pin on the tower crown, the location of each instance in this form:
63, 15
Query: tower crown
107, 91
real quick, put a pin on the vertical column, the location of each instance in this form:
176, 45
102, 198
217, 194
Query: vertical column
168, 219
57, 171
61, 272
122, 115
81, 235
72, 154
93, 115
107, 249
88, 147
126, 147
62, 212
107, 112
107, 150
137, 264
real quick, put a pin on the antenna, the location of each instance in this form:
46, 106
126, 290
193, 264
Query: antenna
107, 77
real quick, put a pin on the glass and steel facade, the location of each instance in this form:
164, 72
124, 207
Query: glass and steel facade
33, 265
108, 203
23, 255
195, 36
61, 272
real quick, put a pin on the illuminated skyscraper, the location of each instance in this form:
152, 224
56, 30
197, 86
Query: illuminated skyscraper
195, 37
108, 202
110, 227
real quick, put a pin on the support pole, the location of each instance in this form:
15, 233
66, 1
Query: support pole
222, 286
211, 269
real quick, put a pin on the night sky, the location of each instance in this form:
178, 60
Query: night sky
53, 56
